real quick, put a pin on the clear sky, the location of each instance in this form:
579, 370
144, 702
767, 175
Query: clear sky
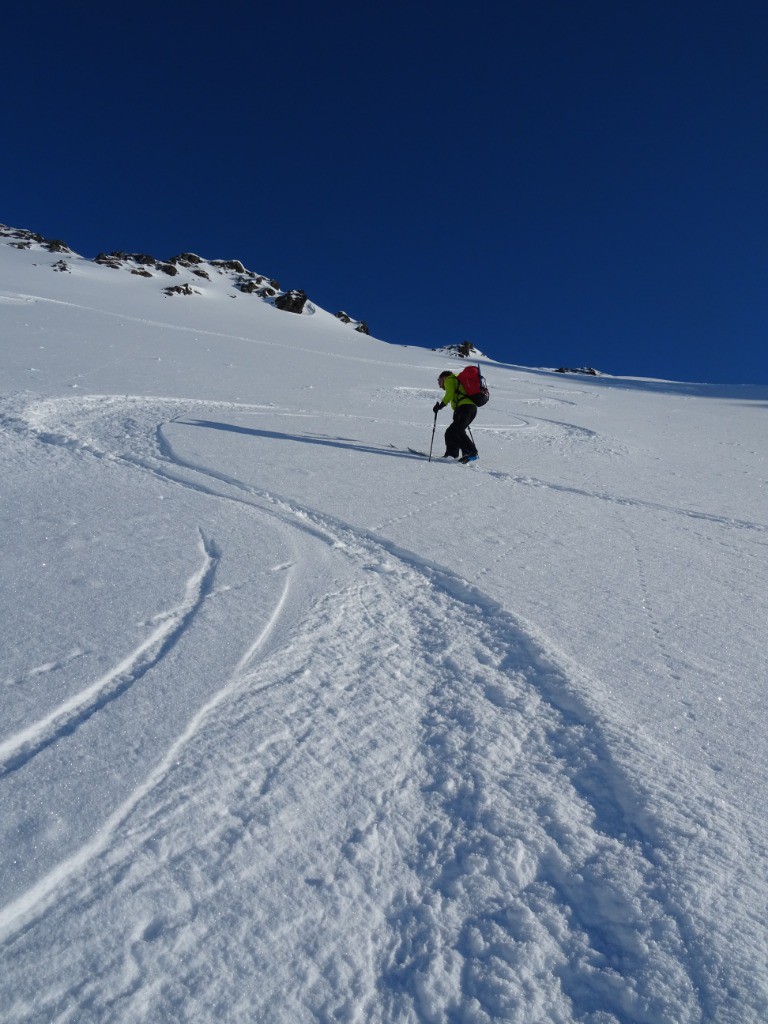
560, 182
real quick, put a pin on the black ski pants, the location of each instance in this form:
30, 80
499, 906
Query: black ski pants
456, 437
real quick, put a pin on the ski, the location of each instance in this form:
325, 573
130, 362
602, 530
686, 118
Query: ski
409, 451
466, 460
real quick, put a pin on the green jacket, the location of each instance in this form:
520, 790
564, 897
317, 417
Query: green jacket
454, 393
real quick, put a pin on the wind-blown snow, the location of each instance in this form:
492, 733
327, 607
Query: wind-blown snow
300, 727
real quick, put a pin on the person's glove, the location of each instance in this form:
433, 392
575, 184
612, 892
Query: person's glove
437, 407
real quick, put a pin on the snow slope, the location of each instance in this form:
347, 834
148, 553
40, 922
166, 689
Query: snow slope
300, 727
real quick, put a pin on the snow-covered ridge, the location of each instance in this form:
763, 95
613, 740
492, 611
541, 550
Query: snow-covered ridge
466, 350
185, 274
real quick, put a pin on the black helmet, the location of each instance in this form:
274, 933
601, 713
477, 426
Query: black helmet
443, 375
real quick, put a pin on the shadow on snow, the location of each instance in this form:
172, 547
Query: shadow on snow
320, 439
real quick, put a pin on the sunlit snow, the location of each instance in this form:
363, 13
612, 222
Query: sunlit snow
300, 727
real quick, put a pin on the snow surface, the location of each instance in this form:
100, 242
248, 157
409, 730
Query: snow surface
300, 727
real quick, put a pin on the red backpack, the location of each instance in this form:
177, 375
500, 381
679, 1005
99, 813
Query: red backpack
473, 384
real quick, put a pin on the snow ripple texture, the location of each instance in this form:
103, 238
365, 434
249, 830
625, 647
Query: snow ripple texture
413, 819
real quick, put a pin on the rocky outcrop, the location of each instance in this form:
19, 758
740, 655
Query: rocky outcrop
233, 274
579, 369
293, 301
186, 259
466, 350
25, 239
180, 289
254, 284
248, 287
130, 260
235, 265
243, 280
359, 325
105, 260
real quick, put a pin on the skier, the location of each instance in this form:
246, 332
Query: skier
464, 411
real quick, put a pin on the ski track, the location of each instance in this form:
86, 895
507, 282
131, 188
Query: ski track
26, 910
50, 666
197, 331
721, 520
501, 846
20, 748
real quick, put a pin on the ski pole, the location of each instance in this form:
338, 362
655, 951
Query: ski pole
434, 425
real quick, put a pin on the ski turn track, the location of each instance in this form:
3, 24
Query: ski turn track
397, 812
18, 749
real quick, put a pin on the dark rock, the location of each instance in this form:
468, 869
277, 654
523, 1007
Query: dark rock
466, 350
56, 245
27, 236
110, 260
360, 325
186, 258
247, 286
579, 369
293, 301
119, 257
235, 265
180, 289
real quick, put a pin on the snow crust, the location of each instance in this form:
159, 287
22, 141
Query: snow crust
298, 726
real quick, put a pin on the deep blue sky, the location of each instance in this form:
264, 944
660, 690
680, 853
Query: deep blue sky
560, 181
